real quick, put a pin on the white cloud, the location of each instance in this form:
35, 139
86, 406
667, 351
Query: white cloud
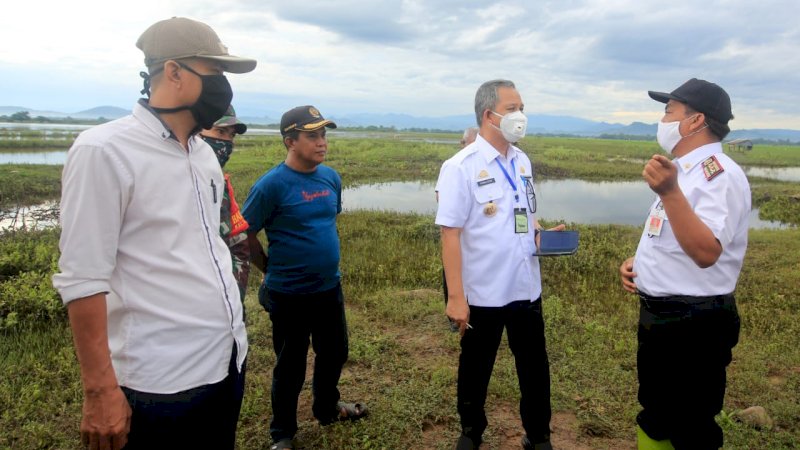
587, 58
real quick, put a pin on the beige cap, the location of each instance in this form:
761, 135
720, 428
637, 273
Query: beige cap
179, 38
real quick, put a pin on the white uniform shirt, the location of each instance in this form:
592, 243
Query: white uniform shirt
723, 204
140, 221
498, 266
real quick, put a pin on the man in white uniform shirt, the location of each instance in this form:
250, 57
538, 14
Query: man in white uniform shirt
147, 280
486, 212
685, 271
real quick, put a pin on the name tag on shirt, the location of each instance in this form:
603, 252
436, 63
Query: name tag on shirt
520, 220
485, 182
655, 221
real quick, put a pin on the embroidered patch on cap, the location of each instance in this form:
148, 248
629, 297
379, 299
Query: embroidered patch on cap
712, 168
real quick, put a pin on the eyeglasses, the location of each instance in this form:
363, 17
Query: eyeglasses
530, 194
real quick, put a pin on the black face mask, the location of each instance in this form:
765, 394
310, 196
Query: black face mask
221, 147
215, 97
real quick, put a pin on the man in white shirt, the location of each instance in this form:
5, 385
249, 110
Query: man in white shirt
147, 280
469, 136
488, 241
685, 271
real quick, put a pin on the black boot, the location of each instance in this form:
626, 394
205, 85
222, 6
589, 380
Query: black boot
528, 445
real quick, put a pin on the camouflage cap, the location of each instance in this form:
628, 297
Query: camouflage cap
229, 119
179, 38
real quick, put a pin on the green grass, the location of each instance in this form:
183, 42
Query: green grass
20, 139
403, 359
26, 184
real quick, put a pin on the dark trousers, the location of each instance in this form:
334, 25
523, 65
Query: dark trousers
296, 319
684, 347
202, 417
524, 324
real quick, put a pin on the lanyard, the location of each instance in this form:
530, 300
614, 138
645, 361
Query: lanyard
510, 180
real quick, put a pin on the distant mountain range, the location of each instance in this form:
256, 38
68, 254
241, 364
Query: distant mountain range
107, 112
537, 123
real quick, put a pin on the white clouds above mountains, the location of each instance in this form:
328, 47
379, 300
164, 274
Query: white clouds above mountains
586, 58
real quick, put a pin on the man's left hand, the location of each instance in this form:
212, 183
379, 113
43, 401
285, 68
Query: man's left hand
559, 227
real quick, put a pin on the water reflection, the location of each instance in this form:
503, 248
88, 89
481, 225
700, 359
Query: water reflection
44, 126
49, 158
36, 217
775, 173
619, 202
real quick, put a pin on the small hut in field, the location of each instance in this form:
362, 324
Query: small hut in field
740, 145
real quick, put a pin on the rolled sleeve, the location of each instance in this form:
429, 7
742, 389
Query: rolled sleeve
93, 198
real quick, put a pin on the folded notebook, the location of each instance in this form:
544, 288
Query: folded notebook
555, 243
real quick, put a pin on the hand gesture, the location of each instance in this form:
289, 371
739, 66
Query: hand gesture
661, 174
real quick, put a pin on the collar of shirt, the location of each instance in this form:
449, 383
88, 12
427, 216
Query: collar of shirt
698, 155
489, 153
152, 121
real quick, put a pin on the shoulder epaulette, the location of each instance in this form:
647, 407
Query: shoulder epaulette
712, 167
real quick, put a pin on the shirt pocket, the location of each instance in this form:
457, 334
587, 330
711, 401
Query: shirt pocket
488, 193
666, 240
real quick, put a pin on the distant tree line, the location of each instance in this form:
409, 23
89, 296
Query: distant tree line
774, 142
627, 137
25, 117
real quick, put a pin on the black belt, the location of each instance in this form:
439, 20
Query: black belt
683, 302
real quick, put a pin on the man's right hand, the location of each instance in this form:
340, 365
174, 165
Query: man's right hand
458, 311
627, 274
106, 420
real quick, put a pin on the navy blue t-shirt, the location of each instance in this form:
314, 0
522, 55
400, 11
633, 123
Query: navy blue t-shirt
298, 212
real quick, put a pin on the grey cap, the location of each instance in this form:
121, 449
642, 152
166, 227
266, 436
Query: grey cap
179, 38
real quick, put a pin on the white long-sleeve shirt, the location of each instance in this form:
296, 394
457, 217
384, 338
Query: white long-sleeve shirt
140, 221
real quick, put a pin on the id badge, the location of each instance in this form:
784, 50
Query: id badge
654, 225
655, 222
520, 220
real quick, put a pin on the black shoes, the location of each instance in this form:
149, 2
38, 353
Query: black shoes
528, 445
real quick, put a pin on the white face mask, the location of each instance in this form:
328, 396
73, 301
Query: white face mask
512, 125
669, 134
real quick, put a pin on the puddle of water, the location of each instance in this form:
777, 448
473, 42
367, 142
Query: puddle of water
619, 202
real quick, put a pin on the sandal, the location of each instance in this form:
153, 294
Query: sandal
283, 444
347, 412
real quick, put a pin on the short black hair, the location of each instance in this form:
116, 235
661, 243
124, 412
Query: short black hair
719, 129
294, 134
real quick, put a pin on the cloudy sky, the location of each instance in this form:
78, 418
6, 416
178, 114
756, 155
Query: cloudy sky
587, 58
